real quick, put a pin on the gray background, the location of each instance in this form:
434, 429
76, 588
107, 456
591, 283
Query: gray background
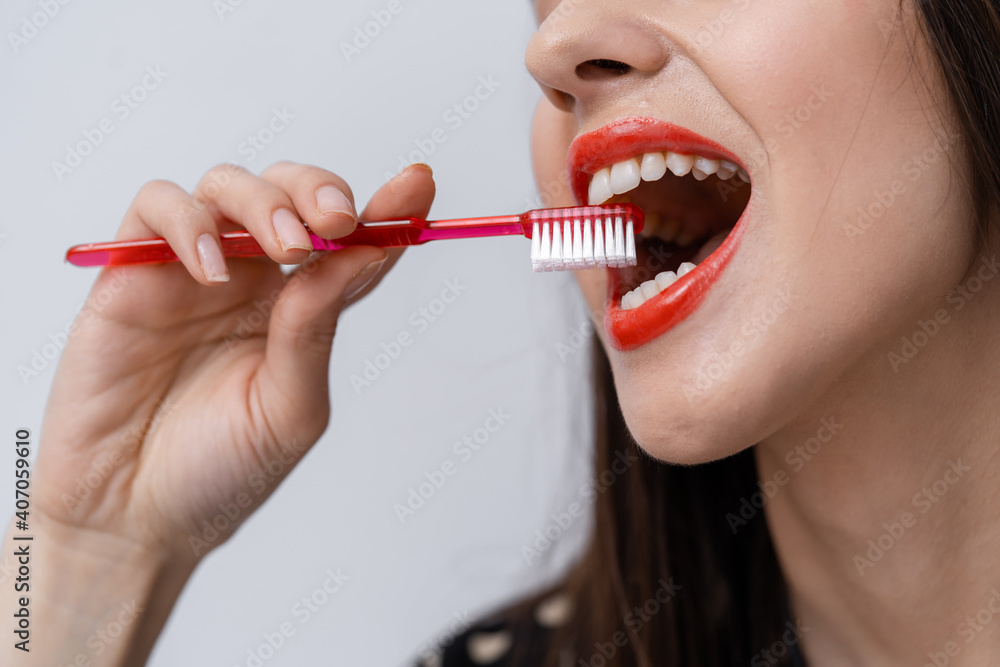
494, 347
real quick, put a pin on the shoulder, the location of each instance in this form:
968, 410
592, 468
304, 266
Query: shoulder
511, 638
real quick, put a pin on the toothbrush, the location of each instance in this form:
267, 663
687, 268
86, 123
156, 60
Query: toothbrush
580, 237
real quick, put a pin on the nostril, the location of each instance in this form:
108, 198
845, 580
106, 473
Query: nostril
601, 68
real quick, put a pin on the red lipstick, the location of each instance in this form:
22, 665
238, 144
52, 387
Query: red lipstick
621, 140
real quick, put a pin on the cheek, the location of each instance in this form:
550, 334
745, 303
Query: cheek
854, 157
593, 284
798, 71
552, 132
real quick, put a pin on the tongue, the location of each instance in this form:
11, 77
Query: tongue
710, 246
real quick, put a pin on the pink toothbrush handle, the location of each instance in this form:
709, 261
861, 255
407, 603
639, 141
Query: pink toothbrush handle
393, 233
414, 231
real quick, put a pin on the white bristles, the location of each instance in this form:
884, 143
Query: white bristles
619, 243
598, 241
583, 243
536, 243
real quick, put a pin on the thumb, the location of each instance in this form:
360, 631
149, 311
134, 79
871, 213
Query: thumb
293, 380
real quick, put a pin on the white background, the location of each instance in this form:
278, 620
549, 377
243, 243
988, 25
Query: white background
495, 347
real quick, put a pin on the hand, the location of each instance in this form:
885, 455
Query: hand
180, 385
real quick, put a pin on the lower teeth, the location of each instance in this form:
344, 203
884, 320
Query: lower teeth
651, 288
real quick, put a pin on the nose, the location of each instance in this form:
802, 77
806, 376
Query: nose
589, 48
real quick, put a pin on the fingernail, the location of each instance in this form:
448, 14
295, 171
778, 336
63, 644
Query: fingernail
289, 230
331, 200
364, 277
213, 264
423, 165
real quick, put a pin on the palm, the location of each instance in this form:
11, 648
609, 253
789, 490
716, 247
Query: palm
179, 406
165, 392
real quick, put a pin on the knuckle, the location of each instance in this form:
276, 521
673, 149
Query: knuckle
187, 217
218, 178
282, 165
152, 190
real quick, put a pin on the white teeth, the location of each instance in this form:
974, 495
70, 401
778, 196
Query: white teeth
600, 187
726, 169
706, 165
654, 166
651, 288
703, 168
679, 164
632, 300
624, 177
665, 279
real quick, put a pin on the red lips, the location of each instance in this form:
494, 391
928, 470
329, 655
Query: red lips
621, 140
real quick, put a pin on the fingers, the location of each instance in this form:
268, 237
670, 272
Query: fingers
409, 195
264, 209
293, 380
295, 373
164, 209
322, 198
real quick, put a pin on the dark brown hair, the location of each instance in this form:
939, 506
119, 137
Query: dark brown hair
660, 524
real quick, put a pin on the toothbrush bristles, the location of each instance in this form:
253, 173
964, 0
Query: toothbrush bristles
583, 242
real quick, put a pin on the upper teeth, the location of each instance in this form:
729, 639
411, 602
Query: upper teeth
625, 176
651, 288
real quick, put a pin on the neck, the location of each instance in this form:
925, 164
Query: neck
884, 504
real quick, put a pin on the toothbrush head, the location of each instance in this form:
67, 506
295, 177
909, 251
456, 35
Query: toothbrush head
584, 237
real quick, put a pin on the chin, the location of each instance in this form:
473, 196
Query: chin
673, 425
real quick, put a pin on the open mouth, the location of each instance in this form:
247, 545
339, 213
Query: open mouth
694, 193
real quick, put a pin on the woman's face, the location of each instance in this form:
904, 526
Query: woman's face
855, 226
